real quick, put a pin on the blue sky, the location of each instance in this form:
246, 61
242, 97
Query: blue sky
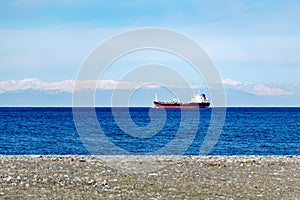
254, 44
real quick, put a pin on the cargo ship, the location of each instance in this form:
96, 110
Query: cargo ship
197, 101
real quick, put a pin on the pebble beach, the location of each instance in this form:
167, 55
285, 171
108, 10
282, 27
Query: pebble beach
167, 177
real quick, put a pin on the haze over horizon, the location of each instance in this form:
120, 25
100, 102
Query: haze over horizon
253, 44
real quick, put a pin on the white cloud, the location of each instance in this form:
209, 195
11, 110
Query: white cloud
255, 88
265, 49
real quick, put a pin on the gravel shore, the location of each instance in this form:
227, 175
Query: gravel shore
150, 177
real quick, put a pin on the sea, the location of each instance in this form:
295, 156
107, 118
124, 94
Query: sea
142, 130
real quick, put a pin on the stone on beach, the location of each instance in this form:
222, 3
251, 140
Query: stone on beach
183, 177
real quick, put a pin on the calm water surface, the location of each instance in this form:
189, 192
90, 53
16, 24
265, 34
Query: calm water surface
246, 131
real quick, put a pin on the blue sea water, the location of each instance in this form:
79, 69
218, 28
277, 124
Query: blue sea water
52, 131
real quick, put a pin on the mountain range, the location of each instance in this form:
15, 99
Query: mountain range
143, 97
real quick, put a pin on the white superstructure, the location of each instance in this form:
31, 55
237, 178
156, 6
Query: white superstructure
199, 98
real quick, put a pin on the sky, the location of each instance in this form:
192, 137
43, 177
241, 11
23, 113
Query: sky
254, 44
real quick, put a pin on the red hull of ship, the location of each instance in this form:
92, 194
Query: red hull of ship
179, 105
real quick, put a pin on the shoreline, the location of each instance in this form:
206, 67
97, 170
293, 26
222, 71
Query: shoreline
183, 177
205, 157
